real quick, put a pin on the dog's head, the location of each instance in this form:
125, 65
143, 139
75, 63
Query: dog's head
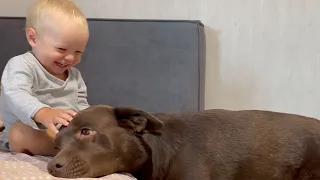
102, 140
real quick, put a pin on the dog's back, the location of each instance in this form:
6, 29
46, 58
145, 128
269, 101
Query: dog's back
222, 144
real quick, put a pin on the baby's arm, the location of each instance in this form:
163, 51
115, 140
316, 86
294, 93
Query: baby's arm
82, 93
17, 81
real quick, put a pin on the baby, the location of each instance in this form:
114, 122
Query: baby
41, 90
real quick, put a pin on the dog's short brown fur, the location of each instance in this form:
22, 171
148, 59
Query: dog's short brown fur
212, 144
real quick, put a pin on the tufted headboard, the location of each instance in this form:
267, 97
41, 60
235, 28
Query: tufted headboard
157, 65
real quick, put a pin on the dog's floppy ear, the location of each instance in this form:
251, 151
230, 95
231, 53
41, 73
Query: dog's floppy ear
137, 119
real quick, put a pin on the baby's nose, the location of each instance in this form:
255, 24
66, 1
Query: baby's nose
70, 57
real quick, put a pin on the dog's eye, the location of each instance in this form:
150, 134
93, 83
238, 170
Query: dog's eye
85, 131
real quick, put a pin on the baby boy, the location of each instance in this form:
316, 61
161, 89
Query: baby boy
41, 90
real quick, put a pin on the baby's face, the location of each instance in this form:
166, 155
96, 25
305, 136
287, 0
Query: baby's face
59, 46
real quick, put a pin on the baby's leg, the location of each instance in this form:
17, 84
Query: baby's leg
25, 139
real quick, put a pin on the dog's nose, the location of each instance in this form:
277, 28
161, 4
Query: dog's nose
55, 167
59, 165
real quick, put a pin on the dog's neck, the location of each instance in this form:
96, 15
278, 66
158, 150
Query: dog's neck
162, 148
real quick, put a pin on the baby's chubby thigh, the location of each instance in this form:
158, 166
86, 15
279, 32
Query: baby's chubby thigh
26, 139
19, 134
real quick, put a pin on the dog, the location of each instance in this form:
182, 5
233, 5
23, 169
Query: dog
212, 144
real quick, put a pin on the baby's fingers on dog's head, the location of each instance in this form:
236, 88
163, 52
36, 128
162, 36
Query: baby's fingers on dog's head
65, 115
64, 120
70, 112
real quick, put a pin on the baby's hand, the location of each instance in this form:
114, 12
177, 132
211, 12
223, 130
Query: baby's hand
51, 117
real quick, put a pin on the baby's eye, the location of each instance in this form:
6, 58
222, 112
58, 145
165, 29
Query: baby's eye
61, 49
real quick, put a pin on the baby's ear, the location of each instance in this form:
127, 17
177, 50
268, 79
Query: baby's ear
137, 119
31, 35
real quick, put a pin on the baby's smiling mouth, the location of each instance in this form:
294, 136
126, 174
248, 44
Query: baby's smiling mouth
61, 65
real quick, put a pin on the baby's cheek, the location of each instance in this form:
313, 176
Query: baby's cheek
76, 61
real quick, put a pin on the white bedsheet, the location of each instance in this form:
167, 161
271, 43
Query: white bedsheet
16, 166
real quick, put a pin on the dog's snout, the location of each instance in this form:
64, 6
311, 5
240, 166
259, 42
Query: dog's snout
50, 171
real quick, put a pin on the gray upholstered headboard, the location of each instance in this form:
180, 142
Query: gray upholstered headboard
156, 65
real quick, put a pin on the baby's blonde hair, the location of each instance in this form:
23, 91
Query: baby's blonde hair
41, 8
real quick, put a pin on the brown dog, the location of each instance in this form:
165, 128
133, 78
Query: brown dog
212, 144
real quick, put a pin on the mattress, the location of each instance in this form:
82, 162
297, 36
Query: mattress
22, 166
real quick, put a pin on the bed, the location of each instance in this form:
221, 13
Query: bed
156, 65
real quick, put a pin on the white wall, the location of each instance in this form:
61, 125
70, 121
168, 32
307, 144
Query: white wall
262, 54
